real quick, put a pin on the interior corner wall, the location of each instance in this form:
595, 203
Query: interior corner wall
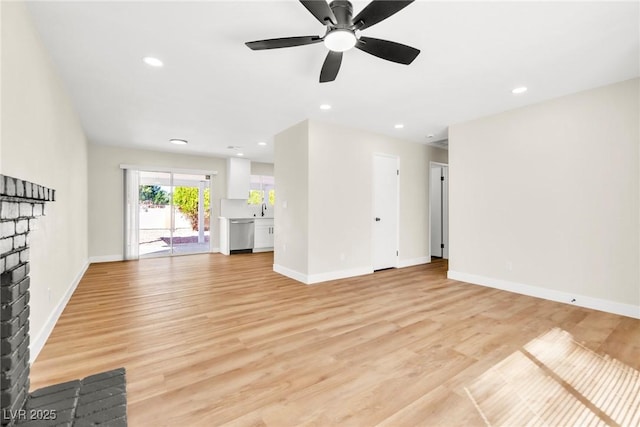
341, 190
43, 142
291, 171
324, 178
106, 211
545, 199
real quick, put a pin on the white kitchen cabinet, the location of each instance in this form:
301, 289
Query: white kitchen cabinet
224, 236
238, 172
263, 237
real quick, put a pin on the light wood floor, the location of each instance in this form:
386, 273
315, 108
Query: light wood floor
208, 340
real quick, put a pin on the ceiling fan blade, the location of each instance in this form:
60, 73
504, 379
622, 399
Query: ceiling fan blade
321, 10
283, 42
378, 10
391, 51
331, 67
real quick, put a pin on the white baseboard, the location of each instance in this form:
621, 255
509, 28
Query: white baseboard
37, 344
549, 294
335, 275
413, 261
292, 274
309, 279
256, 250
106, 258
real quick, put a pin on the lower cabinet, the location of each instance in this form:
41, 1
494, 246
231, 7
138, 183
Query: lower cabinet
263, 237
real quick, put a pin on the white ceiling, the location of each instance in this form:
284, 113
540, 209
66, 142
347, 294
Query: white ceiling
215, 92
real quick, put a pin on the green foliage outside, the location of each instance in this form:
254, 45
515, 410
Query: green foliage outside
186, 199
255, 197
153, 194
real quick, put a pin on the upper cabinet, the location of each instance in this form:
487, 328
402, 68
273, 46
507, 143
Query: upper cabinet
238, 178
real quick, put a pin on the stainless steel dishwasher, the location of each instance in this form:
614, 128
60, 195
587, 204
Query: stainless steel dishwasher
241, 232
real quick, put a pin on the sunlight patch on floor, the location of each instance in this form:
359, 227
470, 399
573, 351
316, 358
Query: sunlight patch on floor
556, 381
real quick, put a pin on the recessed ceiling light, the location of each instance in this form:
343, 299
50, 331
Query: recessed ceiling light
399, 126
325, 107
262, 143
430, 135
178, 141
519, 90
240, 154
154, 62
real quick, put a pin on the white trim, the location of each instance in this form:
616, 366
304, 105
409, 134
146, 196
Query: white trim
335, 275
105, 258
549, 294
37, 344
310, 279
414, 261
432, 163
292, 274
269, 249
148, 168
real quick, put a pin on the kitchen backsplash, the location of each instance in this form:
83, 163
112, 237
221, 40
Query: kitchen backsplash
238, 208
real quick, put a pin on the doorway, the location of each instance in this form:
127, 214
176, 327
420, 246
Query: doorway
386, 214
439, 209
173, 214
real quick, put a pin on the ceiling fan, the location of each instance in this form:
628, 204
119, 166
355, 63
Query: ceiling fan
341, 35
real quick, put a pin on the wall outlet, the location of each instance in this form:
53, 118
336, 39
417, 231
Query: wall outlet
509, 266
342, 256
49, 294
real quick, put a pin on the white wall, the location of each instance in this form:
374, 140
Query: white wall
106, 235
291, 155
42, 142
545, 199
258, 168
338, 234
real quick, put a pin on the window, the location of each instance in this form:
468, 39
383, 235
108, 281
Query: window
262, 189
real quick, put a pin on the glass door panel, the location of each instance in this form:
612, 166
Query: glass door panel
191, 213
155, 220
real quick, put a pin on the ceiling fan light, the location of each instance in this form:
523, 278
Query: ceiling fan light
340, 40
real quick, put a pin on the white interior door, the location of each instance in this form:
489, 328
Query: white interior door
439, 210
445, 212
435, 197
385, 211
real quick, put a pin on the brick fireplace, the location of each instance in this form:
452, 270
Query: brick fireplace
96, 399
21, 203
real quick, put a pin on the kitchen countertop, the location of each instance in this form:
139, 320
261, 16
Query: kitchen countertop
246, 217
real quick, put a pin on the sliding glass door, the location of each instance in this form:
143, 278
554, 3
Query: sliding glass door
191, 213
173, 214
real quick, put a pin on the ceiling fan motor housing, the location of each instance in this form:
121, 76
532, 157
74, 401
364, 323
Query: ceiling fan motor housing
343, 11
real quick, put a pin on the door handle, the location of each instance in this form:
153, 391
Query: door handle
377, 219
